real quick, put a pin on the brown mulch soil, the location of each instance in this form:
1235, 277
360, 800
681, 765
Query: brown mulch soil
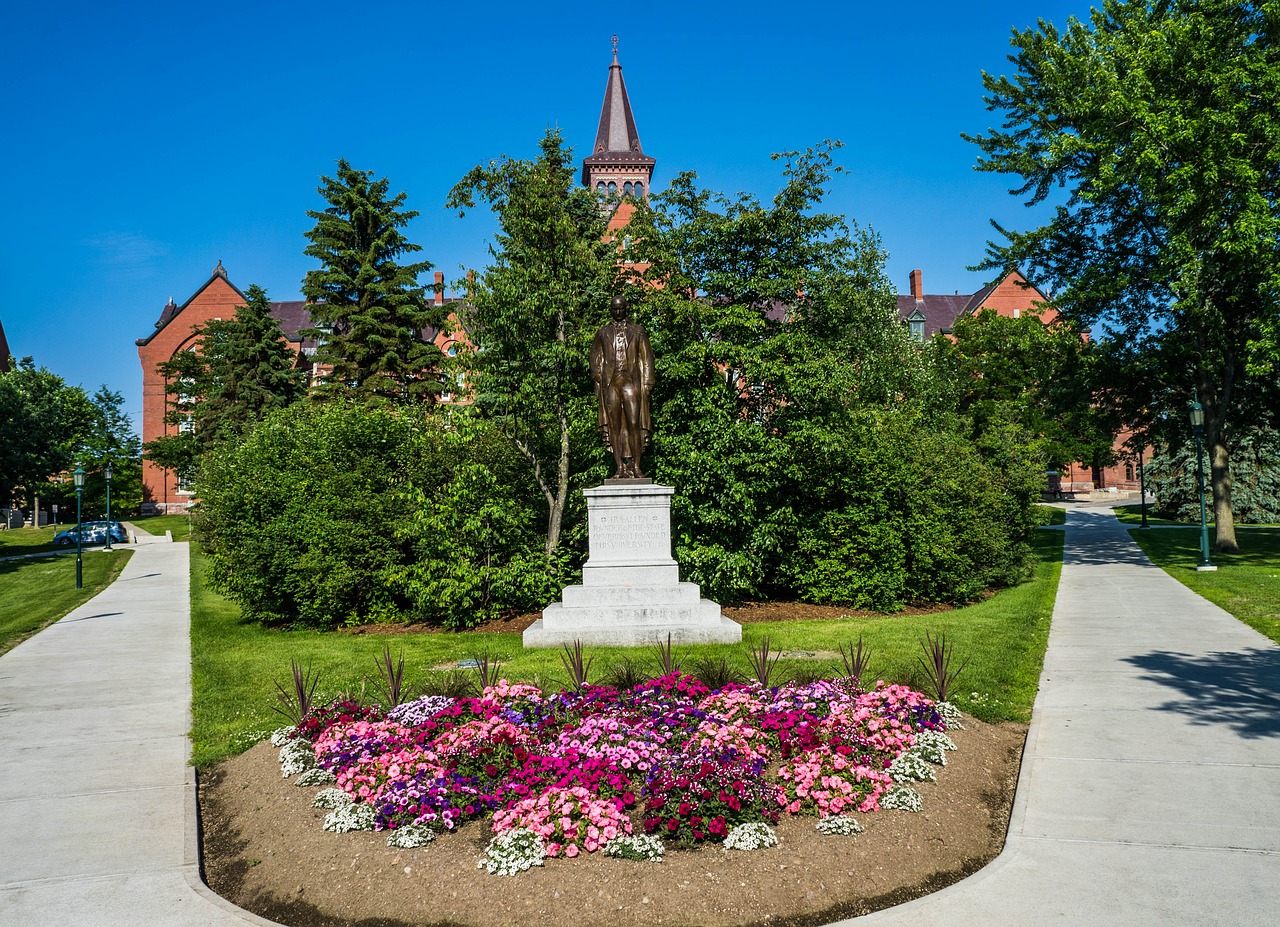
746, 613
264, 850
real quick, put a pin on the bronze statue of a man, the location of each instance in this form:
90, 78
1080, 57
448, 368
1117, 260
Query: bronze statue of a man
622, 366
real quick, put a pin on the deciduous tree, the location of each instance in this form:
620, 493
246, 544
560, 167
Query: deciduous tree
1161, 122
534, 312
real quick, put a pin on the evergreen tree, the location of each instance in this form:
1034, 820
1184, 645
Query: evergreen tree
534, 314
370, 313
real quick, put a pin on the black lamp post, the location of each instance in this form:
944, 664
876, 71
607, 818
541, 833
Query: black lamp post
79, 478
1142, 487
106, 472
1197, 426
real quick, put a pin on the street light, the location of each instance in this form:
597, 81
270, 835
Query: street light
1142, 485
1197, 427
79, 478
106, 472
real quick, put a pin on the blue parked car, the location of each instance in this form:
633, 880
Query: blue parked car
95, 532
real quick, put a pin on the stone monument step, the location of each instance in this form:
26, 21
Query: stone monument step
596, 596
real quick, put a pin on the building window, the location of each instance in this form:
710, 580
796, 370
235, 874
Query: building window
917, 331
186, 485
638, 189
1128, 471
626, 188
613, 189
600, 186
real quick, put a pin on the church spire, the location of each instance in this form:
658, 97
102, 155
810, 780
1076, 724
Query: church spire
617, 163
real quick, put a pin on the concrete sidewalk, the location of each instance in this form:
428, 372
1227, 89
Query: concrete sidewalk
1149, 792
96, 827
1150, 785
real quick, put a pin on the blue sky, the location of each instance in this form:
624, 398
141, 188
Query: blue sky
145, 142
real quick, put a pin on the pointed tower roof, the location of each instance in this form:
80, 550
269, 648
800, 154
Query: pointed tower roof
617, 141
4, 350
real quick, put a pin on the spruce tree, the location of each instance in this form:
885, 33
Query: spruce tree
371, 315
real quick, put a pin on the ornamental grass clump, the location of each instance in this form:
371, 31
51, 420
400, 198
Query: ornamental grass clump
597, 768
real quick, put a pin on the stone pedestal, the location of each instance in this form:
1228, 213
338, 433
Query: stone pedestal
631, 592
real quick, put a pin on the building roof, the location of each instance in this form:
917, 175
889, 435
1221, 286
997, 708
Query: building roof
171, 310
617, 141
4, 351
941, 312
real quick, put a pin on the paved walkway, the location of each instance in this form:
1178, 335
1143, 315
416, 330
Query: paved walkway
1150, 785
95, 791
1149, 793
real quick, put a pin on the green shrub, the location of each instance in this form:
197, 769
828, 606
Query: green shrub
331, 514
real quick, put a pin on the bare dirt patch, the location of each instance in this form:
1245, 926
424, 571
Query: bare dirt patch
264, 850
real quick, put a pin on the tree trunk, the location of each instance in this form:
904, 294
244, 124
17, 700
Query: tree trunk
1223, 516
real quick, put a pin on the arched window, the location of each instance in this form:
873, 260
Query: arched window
638, 189
613, 188
600, 186
626, 188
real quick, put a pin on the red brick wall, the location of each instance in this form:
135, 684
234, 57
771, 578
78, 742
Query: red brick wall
217, 299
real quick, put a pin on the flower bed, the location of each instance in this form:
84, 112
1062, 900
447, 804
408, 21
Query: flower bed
582, 771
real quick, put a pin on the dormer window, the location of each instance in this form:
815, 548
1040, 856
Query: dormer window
915, 324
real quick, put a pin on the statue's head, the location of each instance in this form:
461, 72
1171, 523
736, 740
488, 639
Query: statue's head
618, 308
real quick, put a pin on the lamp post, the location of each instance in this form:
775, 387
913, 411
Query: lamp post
1197, 426
106, 472
1142, 487
79, 478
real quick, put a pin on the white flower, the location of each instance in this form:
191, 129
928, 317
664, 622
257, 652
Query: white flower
513, 852
901, 798
933, 746
755, 835
411, 837
352, 817
296, 756
839, 825
282, 735
317, 775
331, 798
912, 765
950, 714
635, 846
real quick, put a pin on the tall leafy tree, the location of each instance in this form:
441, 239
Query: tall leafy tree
1035, 375
1161, 121
238, 371
42, 422
534, 312
372, 317
109, 439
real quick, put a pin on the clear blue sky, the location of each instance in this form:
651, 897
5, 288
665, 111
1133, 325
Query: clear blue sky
144, 142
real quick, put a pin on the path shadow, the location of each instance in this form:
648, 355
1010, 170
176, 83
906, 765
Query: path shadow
1095, 538
1240, 689
86, 618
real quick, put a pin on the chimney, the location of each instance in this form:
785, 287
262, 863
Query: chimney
439, 288
917, 284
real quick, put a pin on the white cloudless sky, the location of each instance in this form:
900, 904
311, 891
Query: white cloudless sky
144, 142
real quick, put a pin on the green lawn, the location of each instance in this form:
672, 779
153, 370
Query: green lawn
1132, 515
1051, 515
235, 662
1246, 584
17, 541
36, 592
180, 525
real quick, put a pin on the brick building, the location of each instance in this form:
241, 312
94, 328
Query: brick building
1012, 296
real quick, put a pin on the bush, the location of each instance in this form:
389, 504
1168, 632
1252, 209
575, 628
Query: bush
906, 510
332, 514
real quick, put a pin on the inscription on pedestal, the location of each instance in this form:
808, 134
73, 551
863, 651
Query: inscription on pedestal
617, 534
